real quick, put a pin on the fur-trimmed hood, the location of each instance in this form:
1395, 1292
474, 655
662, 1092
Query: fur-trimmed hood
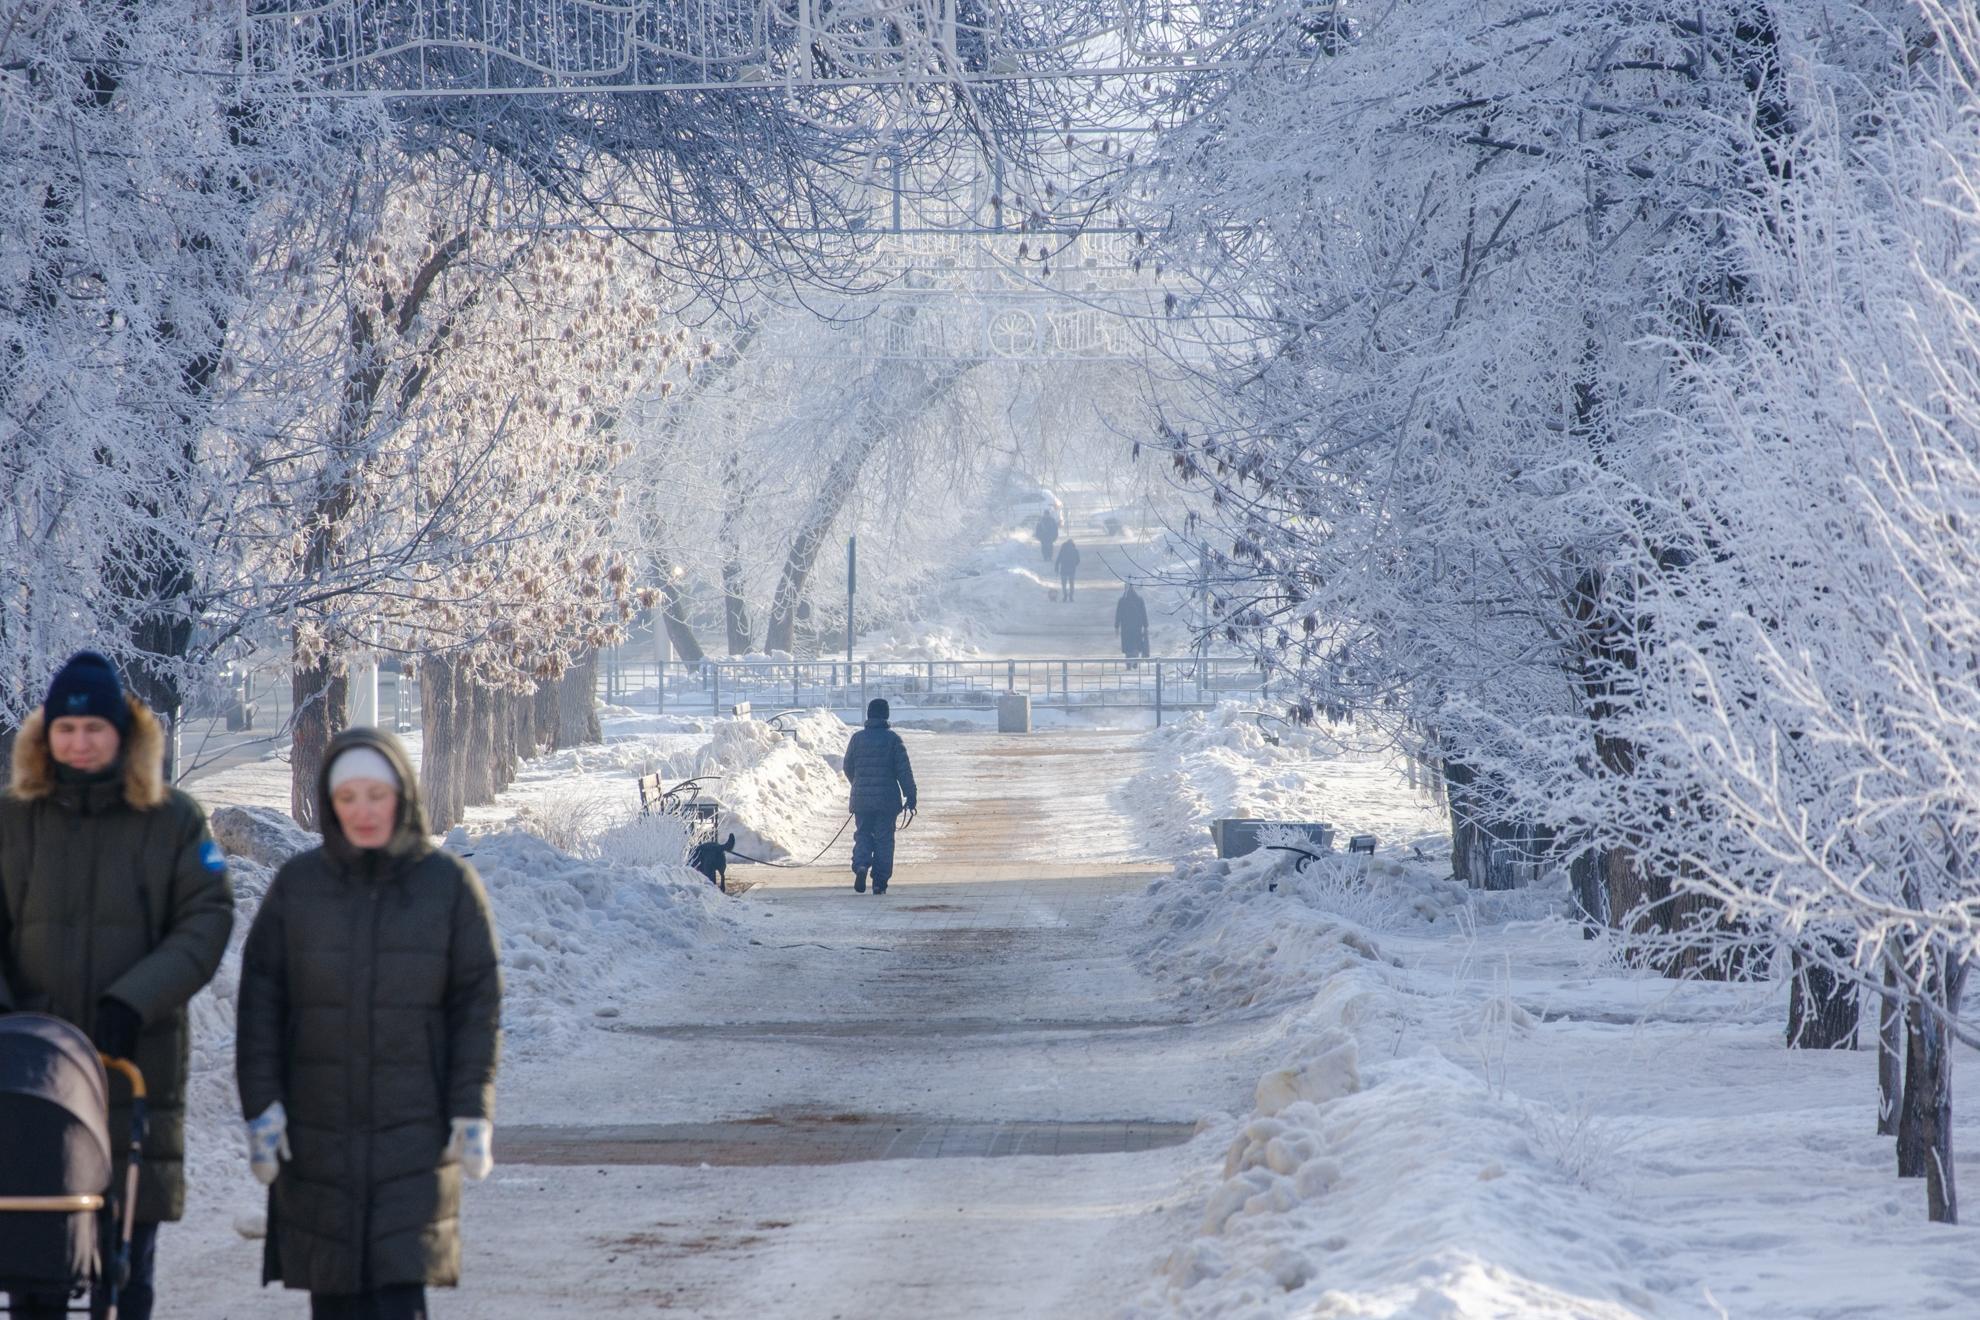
143, 756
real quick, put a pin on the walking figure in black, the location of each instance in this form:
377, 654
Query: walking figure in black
1068, 568
1131, 622
882, 791
1047, 532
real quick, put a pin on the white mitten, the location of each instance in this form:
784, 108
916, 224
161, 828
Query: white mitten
268, 1142
473, 1144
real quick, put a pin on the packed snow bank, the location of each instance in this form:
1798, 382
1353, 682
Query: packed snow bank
1374, 1175
1221, 939
580, 936
1222, 763
777, 787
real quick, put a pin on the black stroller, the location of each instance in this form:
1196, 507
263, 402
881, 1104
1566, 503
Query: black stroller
64, 1230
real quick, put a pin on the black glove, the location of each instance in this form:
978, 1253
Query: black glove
117, 1027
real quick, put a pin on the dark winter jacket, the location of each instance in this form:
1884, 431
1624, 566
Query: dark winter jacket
370, 1007
1068, 559
112, 887
877, 763
1047, 530
1131, 622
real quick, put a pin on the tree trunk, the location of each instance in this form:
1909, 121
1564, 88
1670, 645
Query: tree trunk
687, 647
437, 724
481, 757
1590, 896
735, 583
545, 717
1487, 850
1911, 1139
1925, 1122
508, 738
523, 703
1822, 1009
577, 704
320, 711
458, 740
1890, 1055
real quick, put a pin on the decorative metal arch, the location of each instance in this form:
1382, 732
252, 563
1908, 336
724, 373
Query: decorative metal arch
412, 48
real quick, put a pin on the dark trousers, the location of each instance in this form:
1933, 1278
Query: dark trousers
401, 1301
1066, 581
873, 845
133, 1303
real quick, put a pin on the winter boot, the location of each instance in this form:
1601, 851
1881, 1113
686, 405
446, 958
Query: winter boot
859, 883
879, 887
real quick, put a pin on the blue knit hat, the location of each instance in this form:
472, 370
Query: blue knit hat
88, 685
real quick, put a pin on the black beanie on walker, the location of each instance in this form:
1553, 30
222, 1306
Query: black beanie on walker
88, 685
877, 709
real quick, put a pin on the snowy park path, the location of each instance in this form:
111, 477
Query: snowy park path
980, 1002
817, 1120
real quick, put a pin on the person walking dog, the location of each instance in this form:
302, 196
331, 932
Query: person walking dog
369, 1030
876, 762
114, 911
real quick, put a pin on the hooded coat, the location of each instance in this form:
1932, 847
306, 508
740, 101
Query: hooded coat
876, 762
370, 1006
111, 887
1131, 622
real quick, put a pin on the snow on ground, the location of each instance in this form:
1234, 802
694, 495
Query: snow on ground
1465, 1109
1224, 763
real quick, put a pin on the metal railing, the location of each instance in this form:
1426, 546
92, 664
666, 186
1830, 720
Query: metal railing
1153, 684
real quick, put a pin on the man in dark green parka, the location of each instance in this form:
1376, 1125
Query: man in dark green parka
369, 1029
114, 911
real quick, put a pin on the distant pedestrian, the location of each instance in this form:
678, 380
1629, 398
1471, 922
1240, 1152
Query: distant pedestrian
1047, 532
1068, 568
368, 1031
1131, 622
114, 911
876, 762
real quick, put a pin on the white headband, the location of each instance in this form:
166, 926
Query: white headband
362, 763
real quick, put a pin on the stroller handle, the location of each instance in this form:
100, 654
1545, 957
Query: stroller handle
59, 1205
129, 1072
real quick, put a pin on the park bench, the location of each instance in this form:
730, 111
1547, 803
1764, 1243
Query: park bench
699, 814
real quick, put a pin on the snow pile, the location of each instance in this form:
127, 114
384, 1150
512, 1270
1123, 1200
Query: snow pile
579, 935
1393, 893
1401, 1188
1224, 763
947, 639
1374, 1175
1222, 939
260, 834
776, 788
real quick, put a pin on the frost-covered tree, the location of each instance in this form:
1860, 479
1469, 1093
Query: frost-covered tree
132, 185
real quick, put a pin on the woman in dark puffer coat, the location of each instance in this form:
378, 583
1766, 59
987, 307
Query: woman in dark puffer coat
369, 1029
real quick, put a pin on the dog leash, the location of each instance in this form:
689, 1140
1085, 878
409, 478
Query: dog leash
796, 866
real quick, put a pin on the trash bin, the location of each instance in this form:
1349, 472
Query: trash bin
1013, 712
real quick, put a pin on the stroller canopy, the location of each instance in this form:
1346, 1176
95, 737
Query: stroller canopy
54, 1110
54, 1141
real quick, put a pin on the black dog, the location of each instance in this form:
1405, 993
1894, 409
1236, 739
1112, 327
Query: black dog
712, 859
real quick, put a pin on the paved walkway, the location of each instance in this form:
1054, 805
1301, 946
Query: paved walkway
959, 1099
